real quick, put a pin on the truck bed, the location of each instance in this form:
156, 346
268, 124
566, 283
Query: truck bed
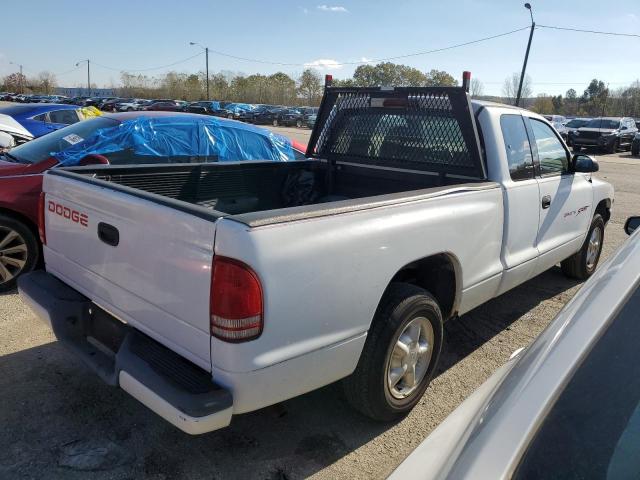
261, 193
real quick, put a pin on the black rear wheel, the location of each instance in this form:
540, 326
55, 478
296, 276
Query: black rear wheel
400, 354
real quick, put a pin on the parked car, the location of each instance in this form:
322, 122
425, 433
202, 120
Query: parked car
311, 121
171, 106
111, 105
270, 116
288, 117
113, 139
237, 110
607, 133
207, 108
407, 226
573, 125
635, 145
306, 113
564, 407
131, 105
40, 119
74, 101
558, 122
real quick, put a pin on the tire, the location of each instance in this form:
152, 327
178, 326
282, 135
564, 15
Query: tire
369, 388
130, 109
576, 148
583, 263
230, 117
614, 147
299, 123
19, 251
635, 151
275, 122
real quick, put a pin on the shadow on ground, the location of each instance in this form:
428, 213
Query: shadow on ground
59, 421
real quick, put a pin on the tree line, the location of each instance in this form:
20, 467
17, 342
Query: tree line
306, 89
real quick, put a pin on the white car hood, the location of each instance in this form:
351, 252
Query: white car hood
9, 125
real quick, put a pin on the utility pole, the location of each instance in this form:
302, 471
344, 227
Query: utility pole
206, 51
88, 75
526, 55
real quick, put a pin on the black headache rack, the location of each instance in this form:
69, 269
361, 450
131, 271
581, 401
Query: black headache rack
424, 129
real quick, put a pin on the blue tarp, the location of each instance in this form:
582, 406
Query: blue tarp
182, 136
239, 107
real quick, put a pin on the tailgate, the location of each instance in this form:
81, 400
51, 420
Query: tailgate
146, 263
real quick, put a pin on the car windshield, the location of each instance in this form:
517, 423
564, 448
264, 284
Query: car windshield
593, 430
577, 123
603, 123
42, 148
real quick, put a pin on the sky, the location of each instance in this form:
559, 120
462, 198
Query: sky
134, 35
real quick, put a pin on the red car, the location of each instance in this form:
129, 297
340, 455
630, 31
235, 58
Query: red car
21, 172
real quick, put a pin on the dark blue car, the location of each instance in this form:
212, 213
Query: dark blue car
41, 118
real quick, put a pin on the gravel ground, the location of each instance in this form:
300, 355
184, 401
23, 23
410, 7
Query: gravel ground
59, 421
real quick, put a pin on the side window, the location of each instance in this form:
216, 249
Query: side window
551, 154
66, 117
516, 142
41, 118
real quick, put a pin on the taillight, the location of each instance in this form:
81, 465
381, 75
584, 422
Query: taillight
235, 301
41, 228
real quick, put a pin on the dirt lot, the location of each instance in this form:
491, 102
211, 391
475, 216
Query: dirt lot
57, 420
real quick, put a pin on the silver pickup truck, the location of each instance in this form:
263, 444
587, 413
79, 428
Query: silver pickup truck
207, 290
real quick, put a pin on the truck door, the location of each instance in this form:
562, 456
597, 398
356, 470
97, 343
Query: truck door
565, 198
521, 203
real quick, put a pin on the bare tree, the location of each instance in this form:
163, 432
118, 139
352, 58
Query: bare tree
46, 82
511, 85
476, 87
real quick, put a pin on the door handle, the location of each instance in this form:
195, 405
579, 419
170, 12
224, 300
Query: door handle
546, 201
108, 234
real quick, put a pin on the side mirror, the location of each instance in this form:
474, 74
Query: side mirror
632, 224
7, 142
584, 164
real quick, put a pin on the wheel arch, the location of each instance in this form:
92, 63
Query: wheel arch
440, 274
604, 209
22, 219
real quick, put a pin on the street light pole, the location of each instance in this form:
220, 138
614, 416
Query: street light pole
206, 51
88, 75
526, 55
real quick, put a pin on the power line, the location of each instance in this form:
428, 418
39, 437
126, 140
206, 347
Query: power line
563, 83
425, 52
618, 34
68, 71
148, 69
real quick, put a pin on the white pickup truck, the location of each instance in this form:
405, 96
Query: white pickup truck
208, 290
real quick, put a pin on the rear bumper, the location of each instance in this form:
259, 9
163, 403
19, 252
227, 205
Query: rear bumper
172, 387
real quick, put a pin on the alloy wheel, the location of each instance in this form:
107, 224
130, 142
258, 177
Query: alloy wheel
593, 248
13, 254
410, 358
